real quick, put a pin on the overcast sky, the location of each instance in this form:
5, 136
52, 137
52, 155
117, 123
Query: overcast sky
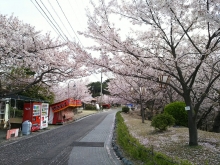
71, 13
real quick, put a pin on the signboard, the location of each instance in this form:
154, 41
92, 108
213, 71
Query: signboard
97, 106
64, 104
36, 110
59, 106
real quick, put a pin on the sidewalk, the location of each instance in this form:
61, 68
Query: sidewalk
95, 148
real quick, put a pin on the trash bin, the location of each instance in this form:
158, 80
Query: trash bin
26, 127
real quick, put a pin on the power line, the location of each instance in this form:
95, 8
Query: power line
53, 23
50, 20
74, 12
59, 18
53, 19
44, 17
68, 22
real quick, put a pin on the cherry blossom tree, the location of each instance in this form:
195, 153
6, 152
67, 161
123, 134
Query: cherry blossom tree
76, 89
137, 91
177, 38
28, 57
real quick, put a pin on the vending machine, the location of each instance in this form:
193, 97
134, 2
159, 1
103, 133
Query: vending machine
44, 115
32, 113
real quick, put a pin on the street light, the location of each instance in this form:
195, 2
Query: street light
141, 91
69, 87
101, 92
163, 80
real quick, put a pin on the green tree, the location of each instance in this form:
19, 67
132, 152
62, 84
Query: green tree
40, 92
95, 88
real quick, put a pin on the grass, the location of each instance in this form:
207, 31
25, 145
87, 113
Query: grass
138, 152
174, 142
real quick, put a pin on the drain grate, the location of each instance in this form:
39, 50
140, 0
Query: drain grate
88, 144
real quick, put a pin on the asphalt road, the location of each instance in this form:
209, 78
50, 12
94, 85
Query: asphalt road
50, 147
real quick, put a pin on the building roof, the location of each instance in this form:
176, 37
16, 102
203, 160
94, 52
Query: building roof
23, 98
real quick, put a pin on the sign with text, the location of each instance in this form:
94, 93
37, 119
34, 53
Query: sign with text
64, 104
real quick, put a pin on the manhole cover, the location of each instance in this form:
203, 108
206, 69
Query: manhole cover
88, 144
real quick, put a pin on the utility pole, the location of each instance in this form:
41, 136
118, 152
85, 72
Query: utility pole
101, 90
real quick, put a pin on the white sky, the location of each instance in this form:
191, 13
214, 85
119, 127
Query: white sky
26, 11
74, 10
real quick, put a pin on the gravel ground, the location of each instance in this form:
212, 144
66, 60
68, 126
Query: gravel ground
174, 142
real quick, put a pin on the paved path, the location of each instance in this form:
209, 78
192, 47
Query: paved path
86, 155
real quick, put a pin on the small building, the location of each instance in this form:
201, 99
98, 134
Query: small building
10, 105
63, 111
106, 106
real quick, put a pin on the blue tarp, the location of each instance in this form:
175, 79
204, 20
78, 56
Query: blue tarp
129, 105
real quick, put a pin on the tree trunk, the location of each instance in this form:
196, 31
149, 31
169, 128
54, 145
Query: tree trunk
142, 110
193, 134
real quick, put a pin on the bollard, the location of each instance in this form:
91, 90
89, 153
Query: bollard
20, 132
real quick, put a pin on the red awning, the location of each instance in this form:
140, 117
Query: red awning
65, 104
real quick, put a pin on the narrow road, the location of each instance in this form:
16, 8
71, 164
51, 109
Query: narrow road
50, 147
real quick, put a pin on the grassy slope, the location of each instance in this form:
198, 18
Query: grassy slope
174, 142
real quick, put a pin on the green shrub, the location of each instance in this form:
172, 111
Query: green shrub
125, 109
177, 110
162, 121
90, 107
16, 112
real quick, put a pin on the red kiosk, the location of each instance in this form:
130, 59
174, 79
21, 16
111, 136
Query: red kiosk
106, 106
63, 111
